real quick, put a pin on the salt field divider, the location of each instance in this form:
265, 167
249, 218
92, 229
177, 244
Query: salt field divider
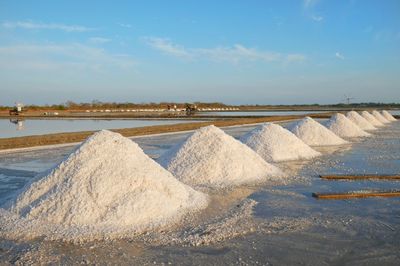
360, 177
353, 195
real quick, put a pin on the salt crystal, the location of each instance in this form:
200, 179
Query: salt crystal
275, 143
360, 121
108, 183
211, 158
343, 127
370, 118
315, 134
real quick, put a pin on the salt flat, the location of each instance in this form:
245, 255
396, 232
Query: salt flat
269, 224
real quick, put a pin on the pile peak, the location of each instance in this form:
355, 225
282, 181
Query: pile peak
370, 118
275, 143
211, 158
108, 184
388, 115
380, 118
315, 134
360, 121
343, 127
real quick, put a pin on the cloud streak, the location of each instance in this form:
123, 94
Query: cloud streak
49, 57
339, 56
231, 54
29, 25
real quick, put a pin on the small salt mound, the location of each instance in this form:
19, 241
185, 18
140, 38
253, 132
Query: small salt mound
370, 118
275, 143
211, 158
107, 184
388, 115
315, 134
360, 121
381, 118
343, 127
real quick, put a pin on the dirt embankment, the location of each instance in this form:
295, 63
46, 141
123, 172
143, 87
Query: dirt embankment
62, 138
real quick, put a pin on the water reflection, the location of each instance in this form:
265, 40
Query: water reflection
19, 122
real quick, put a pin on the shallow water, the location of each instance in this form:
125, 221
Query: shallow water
26, 127
286, 227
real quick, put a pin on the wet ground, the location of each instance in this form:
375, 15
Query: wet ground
277, 224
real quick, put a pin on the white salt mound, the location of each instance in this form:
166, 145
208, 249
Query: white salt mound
360, 121
315, 134
108, 184
370, 118
275, 143
388, 115
211, 158
381, 118
343, 127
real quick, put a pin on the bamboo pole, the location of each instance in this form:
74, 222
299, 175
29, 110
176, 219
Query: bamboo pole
352, 195
360, 177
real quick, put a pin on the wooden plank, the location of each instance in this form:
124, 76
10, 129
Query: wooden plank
352, 195
360, 177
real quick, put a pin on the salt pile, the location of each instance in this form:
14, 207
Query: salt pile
275, 143
388, 115
370, 118
211, 158
107, 185
381, 118
360, 121
343, 127
315, 134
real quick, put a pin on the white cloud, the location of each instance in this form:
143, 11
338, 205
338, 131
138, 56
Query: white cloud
317, 18
99, 40
232, 54
167, 47
296, 58
339, 56
309, 3
125, 25
28, 25
53, 56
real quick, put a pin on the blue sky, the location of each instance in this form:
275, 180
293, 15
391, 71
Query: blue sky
237, 52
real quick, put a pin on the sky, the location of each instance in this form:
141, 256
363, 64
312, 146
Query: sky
236, 52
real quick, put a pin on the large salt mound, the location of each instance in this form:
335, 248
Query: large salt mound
315, 134
370, 118
211, 158
388, 115
381, 118
343, 127
360, 121
107, 184
275, 143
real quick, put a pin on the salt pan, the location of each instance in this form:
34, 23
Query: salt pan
359, 121
388, 115
275, 143
370, 118
381, 118
315, 134
343, 127
210, 158
107, 184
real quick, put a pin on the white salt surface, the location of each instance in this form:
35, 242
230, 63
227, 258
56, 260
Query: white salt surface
210, 158
275, 143
370, 118
343, 127
388, 115
315, 134
381, 118
360, 121
107, 186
